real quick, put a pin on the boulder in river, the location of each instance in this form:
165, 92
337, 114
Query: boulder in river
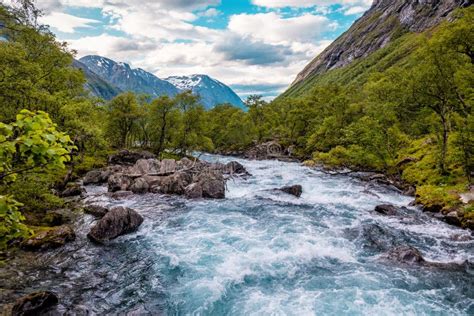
118, 221
96, 210
405, 254
193, 191
168, 166
119, 182
295, 190
175, 183
129, 158
140, 186
145, 166
94, 177
49, 239
386, 209
236, 168
34, 303
212, 183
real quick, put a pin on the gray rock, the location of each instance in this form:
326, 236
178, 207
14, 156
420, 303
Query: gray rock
175, 183
34, 303
236, 168
93, 177
168, 166
140, 186
452, 218
193, 191
406, 255
295, 190
386, 209
212, 183
146, 166
185, 163
118, 221
96, 210
119, 182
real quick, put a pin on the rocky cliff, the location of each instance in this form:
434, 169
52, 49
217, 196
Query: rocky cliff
385, 21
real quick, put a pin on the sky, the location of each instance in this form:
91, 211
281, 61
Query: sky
254, 46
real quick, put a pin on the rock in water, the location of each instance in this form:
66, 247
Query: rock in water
212, 183
386, 209
405, 254
146, 166
237, 168
119, 182
118, 221
175, 183
168, 166
93, 177
34, 303
140, 186
96, 210
48, 239
193, 191
295, 190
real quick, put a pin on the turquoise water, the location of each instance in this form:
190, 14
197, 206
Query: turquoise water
260, 252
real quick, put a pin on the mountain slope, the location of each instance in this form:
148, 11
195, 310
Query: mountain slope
95, 84
211, 91
125, 78
384, 23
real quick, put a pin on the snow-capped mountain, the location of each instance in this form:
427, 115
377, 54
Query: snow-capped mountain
211, 91
117, 77
95, 84
125, 78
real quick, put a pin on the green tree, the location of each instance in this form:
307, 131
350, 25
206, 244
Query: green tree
123, 113
31, 144
164, 118
192, 130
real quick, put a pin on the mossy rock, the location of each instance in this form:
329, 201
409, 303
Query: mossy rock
49, 238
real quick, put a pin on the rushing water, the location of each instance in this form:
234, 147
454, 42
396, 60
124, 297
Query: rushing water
258, 252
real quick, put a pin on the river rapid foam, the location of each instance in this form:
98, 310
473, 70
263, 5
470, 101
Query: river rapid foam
258, 252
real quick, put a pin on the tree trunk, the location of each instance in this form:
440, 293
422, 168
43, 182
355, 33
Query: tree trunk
444, 145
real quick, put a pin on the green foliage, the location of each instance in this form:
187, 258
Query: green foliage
123, 113
10, 221
446, 197
35, 192
31, 143
229, 128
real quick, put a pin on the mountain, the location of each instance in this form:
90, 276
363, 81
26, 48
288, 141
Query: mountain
122, 76
211, 91
107, 78
95, 84
382, 25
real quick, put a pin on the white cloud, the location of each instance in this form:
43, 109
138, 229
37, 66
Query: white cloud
355, 10
309, 3
211, 12
65, 22
274, 28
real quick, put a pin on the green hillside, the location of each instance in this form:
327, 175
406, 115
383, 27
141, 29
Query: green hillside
357, 73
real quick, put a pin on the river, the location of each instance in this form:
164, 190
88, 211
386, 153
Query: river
258, 252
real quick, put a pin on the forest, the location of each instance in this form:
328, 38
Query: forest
406, 111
